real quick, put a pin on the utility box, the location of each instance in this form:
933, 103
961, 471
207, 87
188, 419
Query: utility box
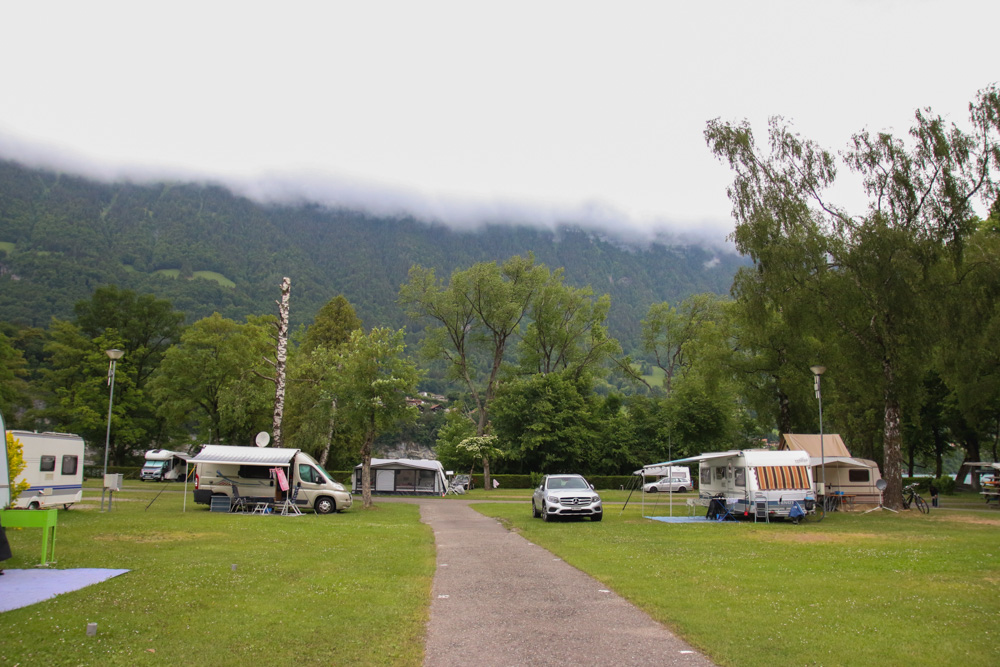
113, 481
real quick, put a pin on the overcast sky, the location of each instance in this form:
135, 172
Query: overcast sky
469, 111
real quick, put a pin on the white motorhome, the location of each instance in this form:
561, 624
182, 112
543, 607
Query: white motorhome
53, 469
254, 473
163, 465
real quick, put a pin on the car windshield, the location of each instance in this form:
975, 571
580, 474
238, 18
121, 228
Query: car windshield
567, 483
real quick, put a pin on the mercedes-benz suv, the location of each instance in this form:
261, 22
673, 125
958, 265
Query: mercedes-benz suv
565, 495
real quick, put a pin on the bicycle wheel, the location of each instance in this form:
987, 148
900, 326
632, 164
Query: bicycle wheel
921, 505
818, 513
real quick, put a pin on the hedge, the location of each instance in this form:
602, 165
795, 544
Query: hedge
600, 482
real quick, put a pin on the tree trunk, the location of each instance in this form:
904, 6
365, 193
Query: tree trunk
892, 466
366, 470
329, 434
281, 357
480, 431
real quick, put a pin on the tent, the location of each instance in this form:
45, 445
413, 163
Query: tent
843, 473
403, 476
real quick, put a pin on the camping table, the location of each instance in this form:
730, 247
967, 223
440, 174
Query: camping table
44, 519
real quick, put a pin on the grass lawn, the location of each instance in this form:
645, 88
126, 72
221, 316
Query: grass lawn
351, 588
875, 589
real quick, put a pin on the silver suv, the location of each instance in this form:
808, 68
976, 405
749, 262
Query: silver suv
565, 495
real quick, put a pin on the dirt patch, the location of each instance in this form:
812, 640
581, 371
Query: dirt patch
968, 519
152, 538
816, 538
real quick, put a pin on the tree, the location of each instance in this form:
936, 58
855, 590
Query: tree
15, 465
566, 330
871, 273
147, 326
13, 371
474, 318
671, 336
207, 380
373, 381
546, 423
312, 416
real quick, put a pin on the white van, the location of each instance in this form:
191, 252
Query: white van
53, 469
163, 465
253, 470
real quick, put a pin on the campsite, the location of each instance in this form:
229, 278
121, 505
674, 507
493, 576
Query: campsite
854, 589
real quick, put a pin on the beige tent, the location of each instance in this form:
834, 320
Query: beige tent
844, 473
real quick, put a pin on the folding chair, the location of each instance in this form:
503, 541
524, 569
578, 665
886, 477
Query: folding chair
289, 507
237, 502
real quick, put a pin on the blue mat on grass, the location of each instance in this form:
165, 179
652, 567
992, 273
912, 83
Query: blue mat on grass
19, 588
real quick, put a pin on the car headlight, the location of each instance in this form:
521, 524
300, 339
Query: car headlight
553, 499
338, 486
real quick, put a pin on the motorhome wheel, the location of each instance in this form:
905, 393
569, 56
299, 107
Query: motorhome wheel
325, 505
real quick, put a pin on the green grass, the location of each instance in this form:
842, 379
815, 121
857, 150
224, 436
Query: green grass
351, 588
875, 589
217, 277
7, 246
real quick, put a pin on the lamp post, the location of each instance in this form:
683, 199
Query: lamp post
817, 371
114, 355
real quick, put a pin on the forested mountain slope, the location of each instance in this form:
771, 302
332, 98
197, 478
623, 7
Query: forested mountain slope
207, 250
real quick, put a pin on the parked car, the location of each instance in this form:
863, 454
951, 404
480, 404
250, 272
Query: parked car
665, 484
566, 495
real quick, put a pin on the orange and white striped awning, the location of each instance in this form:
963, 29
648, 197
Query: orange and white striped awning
774, 478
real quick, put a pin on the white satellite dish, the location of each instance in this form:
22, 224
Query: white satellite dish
262, 439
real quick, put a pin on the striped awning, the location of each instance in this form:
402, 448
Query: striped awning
773, 478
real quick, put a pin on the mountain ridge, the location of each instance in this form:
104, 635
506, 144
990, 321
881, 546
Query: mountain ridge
207, 248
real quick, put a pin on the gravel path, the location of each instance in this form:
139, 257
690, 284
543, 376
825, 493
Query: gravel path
501, 600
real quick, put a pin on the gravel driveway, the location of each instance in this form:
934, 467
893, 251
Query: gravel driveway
500, 600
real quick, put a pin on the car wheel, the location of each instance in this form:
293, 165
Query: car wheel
682, 490
545, 514
534, 511
653, 489
325, 505
597, 517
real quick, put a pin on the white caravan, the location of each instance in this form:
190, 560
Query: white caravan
163, 465
757, 483
218, 468
53, 469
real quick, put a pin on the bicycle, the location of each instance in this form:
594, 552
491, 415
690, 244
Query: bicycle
910, 496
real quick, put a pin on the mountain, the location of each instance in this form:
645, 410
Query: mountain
208, 249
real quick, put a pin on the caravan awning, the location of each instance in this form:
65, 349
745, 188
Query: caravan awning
690, 459
254, 456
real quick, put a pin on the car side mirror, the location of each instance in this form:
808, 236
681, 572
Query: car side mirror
591, 487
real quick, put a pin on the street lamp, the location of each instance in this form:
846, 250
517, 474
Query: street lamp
817, 371
114, 355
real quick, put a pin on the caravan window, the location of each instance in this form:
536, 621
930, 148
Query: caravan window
69, 464
48, 463
706, 475
741, 476
859, 475
720, 473
425, 481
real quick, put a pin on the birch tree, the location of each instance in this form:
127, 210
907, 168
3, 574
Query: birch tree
870, 272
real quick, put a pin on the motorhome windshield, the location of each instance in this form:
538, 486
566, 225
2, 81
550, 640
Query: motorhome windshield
155, 464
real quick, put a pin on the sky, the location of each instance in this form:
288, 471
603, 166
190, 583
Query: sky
469, 112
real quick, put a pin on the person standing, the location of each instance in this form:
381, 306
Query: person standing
934, 494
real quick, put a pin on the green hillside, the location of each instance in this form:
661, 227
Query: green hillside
207, 250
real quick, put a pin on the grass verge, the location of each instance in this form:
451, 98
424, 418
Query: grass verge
351, 588
875, 589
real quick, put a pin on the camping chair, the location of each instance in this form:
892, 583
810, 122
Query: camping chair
455, 489
289, 507
237, 502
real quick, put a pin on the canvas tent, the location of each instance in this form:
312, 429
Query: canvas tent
843, 473
403, 476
